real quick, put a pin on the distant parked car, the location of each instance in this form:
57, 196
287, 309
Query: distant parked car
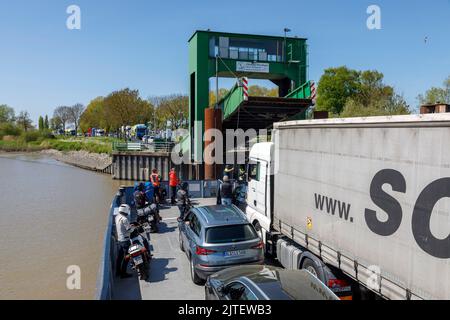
265, 283
217, 237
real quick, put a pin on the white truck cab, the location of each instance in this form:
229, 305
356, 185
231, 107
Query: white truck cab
259, 202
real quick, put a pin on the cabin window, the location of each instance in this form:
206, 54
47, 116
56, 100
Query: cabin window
253, 172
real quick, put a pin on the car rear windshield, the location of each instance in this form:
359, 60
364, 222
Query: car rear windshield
234, 233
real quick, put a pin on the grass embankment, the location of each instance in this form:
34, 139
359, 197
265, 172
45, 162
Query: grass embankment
37, 141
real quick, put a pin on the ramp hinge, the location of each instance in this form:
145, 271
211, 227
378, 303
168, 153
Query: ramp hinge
320, 249
307, 240
292, 232
355, 264
339, 258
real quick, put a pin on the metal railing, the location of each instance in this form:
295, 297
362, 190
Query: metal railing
156, 146
127, 146
105, 276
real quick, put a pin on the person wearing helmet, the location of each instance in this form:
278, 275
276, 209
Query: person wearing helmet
123, 228
139, 195
228, 171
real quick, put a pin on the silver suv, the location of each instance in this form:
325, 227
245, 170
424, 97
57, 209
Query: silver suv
217, 237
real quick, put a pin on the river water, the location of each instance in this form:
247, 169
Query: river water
52, 216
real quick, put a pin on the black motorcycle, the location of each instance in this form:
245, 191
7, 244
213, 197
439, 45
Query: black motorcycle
149, 218
139, 252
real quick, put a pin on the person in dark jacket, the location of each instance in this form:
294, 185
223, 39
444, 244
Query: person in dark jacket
226, 192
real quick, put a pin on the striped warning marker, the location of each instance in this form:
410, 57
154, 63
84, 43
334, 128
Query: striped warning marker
245, 87
313, 92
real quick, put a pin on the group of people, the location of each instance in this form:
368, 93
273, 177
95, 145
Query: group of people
144, 193
151, 192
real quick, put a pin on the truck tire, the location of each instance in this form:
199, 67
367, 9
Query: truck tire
311, 266
195, 278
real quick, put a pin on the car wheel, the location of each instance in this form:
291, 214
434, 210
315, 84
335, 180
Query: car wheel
195, 278
180, 240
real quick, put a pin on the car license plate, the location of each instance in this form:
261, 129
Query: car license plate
137, 260
234, 253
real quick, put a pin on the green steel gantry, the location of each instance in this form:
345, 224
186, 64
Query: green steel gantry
282, 60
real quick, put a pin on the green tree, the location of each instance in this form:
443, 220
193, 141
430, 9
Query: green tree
56, 123
335, 86
93, 116
173, 110
351, 93
75, 113
62, 113
125, 107
41, 123
6, 114
46, 124
259, 91
23, 121
436, 95
212, 95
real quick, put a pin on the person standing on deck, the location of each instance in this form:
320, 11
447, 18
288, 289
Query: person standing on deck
123, 238
154, 179
226, 192
173, 182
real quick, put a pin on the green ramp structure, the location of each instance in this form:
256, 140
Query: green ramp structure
282, 60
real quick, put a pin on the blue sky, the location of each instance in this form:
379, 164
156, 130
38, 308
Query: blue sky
143, 44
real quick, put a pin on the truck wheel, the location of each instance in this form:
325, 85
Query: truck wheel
310, 265
195, 278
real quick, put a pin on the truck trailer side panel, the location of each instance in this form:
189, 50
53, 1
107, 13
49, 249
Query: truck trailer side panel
371, 197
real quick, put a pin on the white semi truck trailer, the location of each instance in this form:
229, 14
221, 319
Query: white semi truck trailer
359, 202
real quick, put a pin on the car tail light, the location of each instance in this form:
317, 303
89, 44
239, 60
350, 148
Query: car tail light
333, 283
341, 288
202, 251
260, 245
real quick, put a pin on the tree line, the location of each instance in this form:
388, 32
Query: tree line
345, 92
126, 107
342, 91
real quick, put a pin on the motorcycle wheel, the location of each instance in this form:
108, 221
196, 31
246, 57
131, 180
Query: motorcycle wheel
155, 228
142, 271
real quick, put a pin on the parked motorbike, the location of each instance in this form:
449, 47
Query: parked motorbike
138, 254
149, 218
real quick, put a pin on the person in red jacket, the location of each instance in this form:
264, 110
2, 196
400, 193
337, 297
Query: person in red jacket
173, 182
154, 179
